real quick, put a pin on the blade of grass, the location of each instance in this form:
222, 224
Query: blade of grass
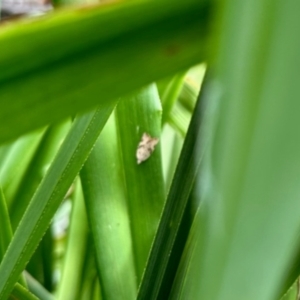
44, 155
51, 191
188, 95
4, 150
135, 43
47, 259
20, 293
171, 94
171, 148
89, 273
177, 250
185, 268
37, 289
6, 232
292, 293
181, 186
108, 215
35, 266
137, 115
292, 273
17, 161
179, 119
40, 265
76, 247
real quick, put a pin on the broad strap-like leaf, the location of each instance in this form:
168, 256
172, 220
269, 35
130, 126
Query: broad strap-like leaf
247, 235
139, 117
72, 60
107, 211
181, 186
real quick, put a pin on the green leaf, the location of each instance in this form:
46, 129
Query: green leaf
90, 282
179, 119
249, 233
171, 94
108, 215
181, 186
41, 264
104, 52
4, 150
75, 249
50, 193
171, 148
35, 172
20, 293
191, 85
292, 293
137, 115
16, 162
6, 232
37, 289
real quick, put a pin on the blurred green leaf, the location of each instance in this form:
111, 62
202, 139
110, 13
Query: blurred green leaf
104, 52
35, 172
16, 162
171, 148
248, 227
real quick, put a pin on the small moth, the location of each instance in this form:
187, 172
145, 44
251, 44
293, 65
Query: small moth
145, 147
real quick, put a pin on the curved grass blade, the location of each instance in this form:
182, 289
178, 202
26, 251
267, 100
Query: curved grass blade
37, 289
171, 94
136, 116
20, 293
181, 186
146, 40
108, 215
66, 165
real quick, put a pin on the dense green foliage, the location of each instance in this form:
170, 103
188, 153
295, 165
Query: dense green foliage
212, 212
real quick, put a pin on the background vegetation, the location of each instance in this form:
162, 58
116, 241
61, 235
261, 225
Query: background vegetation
214, 213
